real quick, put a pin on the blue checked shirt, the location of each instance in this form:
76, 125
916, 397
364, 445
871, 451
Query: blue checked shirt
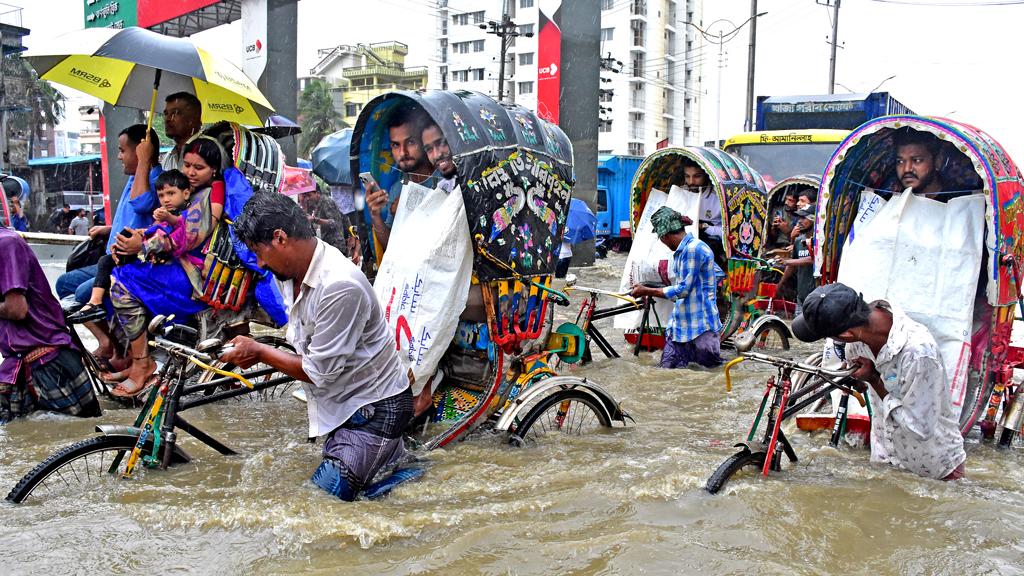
696, 275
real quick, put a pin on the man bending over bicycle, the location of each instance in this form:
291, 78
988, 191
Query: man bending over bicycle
358, 394
913, 426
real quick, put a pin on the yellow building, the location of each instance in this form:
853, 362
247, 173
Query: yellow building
359, 73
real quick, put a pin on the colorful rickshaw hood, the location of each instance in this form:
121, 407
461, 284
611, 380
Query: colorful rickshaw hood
515, 170
864, 160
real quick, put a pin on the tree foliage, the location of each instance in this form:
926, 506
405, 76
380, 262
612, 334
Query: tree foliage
317, 115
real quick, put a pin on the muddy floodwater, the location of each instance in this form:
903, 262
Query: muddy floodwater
628, 501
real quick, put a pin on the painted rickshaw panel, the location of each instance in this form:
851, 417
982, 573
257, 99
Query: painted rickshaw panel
515, 171
864, 159
740, 190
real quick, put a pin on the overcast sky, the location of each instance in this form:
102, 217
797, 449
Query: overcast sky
961, 62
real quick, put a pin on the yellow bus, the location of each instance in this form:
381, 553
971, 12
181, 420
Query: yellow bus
779, 154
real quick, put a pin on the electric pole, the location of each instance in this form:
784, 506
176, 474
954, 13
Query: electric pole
834, 4
748, 121
506, 31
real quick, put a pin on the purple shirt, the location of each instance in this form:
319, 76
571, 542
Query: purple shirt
44, 325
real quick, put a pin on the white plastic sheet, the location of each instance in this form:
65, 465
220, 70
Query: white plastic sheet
424, 277
925, 257
649, 261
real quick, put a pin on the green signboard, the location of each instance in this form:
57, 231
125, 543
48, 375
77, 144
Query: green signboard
110, 13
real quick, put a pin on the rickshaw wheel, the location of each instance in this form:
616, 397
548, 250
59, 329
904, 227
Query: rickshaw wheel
770, 338
569, 412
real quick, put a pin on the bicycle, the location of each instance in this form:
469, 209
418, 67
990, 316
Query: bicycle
152, 441
589, 313
779, 403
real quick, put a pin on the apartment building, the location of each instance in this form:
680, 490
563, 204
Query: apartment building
653, 97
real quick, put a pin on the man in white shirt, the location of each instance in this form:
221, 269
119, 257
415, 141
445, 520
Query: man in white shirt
709, 229
357, 393
913, 425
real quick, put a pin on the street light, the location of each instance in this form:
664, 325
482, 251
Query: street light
722, 38
877, 86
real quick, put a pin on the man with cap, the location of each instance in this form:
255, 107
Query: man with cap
692, 331
913, 426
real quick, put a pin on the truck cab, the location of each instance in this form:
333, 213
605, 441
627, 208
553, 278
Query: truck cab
779, 154
614, 182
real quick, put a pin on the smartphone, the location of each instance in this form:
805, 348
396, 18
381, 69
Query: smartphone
367, 179
126, 232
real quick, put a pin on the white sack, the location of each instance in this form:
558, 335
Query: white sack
925, 257
424, 277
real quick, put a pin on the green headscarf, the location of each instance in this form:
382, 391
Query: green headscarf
666, 221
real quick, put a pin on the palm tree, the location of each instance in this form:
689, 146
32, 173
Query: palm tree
317, 115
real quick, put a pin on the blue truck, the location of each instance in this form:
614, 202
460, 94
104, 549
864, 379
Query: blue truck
614, 180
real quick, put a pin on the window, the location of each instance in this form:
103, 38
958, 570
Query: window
351, 109
478, 17
526, 59
606, 95
460, 75
602, 200
477, 74
460, 19
604, 126
636, 149
460, 47
526, 3
526, 29
607, 4
478, 45
607, 34
526, 87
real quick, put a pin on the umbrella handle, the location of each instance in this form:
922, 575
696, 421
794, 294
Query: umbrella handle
152, 103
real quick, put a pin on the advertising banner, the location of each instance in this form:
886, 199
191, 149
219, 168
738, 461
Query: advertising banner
549, 60
153, 12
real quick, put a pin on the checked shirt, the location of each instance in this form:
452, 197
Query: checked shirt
696, 276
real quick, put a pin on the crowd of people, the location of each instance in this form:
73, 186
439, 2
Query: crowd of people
359, 397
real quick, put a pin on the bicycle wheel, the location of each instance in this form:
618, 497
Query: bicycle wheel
770, 337
271, 393
77, 468
569, 412
731, 466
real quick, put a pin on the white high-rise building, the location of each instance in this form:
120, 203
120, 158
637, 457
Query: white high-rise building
653, 98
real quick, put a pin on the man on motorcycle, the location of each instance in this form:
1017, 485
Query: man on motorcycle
913, 426
692, 331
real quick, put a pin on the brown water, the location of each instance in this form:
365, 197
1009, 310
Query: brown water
624, 502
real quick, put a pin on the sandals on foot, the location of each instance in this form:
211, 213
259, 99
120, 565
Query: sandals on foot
121, 390
88, 313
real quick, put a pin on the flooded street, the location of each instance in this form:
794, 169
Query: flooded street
628, 501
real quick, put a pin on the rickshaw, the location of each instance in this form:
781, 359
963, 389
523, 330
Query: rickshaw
515, 173
971, 166
741, 192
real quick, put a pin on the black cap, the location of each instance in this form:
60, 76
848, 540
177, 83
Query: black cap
829, 311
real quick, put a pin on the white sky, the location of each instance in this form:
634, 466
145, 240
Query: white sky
959, 62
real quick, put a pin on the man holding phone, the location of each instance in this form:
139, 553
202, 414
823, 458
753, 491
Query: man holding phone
405, 127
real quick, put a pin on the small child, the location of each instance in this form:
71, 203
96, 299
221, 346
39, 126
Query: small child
172, 192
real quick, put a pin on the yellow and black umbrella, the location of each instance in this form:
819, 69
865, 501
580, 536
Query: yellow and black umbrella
128, 67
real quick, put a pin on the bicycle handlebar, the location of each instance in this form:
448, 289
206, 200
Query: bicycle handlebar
834, 377
618, 295
196, 357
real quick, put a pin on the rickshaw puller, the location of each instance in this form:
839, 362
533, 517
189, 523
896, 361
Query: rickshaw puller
692, 331
357, 393
913, 426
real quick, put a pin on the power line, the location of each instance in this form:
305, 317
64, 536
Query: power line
953, 4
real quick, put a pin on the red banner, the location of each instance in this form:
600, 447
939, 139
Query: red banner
153, 12
549, 63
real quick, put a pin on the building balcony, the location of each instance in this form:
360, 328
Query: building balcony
384, 72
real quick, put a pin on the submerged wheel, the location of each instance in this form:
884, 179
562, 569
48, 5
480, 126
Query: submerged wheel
265, 394
76, 469
731, 466
568, 412
771, 337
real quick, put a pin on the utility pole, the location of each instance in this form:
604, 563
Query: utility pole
748, 122
506, 30
834, 42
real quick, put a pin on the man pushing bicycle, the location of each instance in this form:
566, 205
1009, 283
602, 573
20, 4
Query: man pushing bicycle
913, 426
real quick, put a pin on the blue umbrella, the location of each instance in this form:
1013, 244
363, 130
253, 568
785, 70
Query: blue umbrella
331, 159
581, 223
